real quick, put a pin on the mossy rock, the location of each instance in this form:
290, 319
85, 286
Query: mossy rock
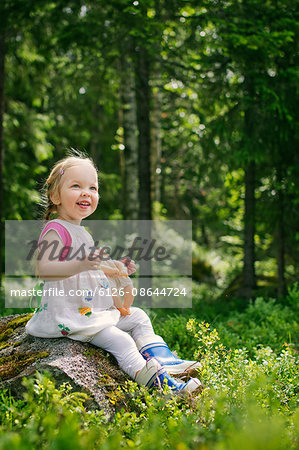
85, 367
8, 326
12, 365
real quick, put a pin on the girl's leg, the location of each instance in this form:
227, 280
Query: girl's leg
151, 345
122, 347
150, 373
138, 324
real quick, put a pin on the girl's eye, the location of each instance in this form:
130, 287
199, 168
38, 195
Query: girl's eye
94, 188
75, 185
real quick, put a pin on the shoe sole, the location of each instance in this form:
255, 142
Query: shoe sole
194, 385
182, 369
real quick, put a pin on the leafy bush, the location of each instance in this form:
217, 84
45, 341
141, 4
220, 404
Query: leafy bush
263, 322
45, 414
173, 331
250, 400
270, 378
234, 411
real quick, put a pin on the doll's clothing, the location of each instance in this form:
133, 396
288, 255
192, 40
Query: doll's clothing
120, 281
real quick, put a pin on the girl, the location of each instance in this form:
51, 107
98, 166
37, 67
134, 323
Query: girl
84, 309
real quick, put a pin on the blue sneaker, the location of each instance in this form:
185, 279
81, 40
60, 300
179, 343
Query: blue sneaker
154, 375
153, 346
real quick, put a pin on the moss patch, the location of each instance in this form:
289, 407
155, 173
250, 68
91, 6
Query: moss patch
106, 380
9, 344
7, 330
12, 365
112, 386
90, 352
98, 354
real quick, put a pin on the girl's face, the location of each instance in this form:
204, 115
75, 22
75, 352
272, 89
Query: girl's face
78, 196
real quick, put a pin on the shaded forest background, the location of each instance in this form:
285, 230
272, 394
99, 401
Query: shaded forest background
187, 107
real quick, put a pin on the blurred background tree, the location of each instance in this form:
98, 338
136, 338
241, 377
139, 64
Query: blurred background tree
187, 107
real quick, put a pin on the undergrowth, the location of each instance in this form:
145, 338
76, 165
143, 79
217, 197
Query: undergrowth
249, 368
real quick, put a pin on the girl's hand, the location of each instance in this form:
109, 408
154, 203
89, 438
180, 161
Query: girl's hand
102, 254
131, 267
90, 264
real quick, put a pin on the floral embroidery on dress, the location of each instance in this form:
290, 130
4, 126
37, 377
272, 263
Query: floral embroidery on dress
104, 283
85, 311
64, 330
89, 297
41, 308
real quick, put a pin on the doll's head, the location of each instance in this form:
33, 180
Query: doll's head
57, 177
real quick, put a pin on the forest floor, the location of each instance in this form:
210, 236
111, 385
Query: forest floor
249, 367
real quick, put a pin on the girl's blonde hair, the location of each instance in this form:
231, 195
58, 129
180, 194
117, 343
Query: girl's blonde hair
53, 182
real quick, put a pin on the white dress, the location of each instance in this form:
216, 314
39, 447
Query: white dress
79, 306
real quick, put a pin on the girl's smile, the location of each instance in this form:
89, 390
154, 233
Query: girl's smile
83, 205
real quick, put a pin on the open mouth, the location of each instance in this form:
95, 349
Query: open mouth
83, 204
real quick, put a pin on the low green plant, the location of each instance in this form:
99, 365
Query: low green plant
264, 322
249, 369
46, 415
292, 299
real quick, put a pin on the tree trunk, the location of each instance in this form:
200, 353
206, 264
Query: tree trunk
2, 75
249, 280
144, 166
97, 130
143, 124
129, 117
204, 236
281, 239
156, 145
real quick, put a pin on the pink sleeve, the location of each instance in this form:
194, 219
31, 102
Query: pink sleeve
62, 233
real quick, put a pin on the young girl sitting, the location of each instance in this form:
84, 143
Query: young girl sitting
72, 193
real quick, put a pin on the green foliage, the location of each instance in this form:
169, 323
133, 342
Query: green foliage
292, 298
223, 78
263, 322
173, 330
45, 414
272, 379
248, 402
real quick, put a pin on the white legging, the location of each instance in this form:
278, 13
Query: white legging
116, 340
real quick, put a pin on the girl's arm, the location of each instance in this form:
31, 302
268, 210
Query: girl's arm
52, 270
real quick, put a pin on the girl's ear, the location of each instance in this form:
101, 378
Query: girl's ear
55, 198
